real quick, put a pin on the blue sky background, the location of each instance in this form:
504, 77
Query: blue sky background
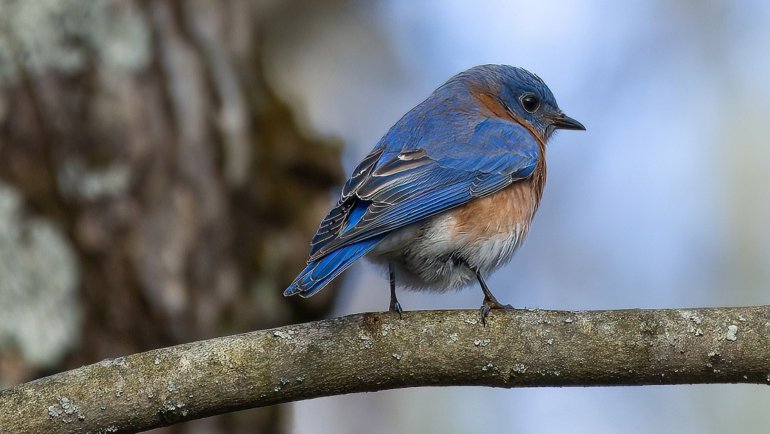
663, 202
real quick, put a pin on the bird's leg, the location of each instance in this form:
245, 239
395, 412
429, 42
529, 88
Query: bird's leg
395, 306
490, 302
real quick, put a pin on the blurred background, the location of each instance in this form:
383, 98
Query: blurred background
164, 164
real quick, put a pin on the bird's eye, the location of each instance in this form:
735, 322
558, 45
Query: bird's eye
530, 103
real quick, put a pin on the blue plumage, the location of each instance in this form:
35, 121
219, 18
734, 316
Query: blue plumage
479, 133
407, 185
317, 274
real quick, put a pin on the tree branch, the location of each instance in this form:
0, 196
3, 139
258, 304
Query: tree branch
374, 351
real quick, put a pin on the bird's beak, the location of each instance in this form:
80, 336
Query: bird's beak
564, 122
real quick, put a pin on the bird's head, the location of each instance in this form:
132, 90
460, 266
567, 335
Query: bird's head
525, 98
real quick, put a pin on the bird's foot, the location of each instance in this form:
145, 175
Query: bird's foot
488, 305
395, 306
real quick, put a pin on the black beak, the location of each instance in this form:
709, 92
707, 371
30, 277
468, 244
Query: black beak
564, 122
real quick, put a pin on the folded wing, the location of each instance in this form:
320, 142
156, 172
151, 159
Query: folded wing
390, 190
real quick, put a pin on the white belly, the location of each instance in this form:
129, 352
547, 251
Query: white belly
437, 255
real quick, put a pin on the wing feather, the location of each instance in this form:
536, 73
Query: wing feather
390, 190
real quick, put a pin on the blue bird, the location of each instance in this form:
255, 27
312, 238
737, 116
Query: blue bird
448, 194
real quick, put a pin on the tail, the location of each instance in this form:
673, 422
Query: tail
319, 273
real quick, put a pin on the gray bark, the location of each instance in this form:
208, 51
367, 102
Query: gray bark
374, 351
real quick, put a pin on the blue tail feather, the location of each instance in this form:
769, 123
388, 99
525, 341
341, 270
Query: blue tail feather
319, 273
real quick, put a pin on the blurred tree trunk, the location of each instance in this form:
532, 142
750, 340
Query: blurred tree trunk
153, 190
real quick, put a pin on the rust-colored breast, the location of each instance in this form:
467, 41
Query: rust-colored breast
508, 211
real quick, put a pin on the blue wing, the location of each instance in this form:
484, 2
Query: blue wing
393, 188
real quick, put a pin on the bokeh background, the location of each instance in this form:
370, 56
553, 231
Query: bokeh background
163, 165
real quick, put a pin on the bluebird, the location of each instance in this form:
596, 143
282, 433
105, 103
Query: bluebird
448, 194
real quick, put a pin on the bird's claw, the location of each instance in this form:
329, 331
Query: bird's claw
487, 306
395, 306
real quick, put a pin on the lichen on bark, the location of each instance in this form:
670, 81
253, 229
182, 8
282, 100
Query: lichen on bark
64, 36
39, 277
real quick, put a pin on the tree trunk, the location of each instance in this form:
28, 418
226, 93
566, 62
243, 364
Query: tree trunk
153, 189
